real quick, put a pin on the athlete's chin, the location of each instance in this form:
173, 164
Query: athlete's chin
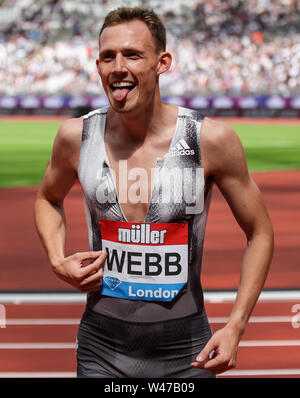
122, 106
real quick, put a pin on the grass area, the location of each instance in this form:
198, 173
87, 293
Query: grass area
25, 149
270, 147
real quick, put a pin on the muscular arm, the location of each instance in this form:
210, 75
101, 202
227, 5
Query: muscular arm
226, 163
50, 220
58, 179
247, 205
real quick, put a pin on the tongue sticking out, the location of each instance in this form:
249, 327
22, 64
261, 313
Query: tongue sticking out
120, 93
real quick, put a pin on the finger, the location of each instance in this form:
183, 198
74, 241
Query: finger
217, 362
81, 256
92, 283
225, 365
200, 364
219, 370
214, 371
215, 365
97, 262
204, 355
197, 365
95, 277
94, 266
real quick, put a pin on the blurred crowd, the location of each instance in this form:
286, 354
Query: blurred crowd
219, 47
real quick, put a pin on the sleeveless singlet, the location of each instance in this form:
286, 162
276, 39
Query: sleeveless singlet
152, 271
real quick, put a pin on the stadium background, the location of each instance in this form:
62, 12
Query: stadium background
236, 60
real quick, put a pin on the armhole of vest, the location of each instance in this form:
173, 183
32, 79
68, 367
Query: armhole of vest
87, 131
85, 128
84, 137
199, 124
101, 112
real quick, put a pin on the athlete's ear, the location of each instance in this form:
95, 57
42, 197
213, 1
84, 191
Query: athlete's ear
165, 61
98, 65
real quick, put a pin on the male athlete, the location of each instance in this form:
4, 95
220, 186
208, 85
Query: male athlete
136, 160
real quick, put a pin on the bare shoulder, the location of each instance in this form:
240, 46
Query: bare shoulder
218, 133
68, 141
70, 131
221, 147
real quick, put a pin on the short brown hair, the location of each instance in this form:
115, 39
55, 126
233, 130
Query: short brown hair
149, 17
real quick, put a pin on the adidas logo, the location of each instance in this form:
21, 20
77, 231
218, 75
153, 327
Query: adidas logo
181, 148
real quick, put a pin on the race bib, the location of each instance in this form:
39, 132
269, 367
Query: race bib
144, 261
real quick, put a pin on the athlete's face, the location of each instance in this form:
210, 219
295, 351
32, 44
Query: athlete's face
129, 66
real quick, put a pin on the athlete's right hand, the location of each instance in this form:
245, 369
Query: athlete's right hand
86, 278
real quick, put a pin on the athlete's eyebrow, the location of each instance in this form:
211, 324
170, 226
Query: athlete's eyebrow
104, 53
132, 50
125, 50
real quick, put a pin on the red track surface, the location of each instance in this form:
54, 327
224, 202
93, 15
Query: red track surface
269, 357
269, 344
225, 242
24, 265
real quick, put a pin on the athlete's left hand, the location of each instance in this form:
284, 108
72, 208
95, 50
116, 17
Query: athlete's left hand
220, 352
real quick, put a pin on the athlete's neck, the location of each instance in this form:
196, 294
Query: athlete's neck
137, 125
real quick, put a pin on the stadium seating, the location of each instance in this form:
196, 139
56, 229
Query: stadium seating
232, 48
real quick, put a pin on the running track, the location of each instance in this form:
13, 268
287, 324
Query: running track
39, 339
39, 335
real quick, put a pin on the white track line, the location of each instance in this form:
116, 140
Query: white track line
36, 374
257, 319
269, 343
272, 295
52, 346
80, 298
261, 372
75, 321
229, 373
38, 346
42, 298
43, 321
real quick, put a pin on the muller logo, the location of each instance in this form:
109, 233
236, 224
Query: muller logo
141, 233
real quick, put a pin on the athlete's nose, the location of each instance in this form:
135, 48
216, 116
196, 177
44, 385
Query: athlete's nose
119, 65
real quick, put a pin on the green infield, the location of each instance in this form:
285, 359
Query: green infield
25, 149
270, 147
